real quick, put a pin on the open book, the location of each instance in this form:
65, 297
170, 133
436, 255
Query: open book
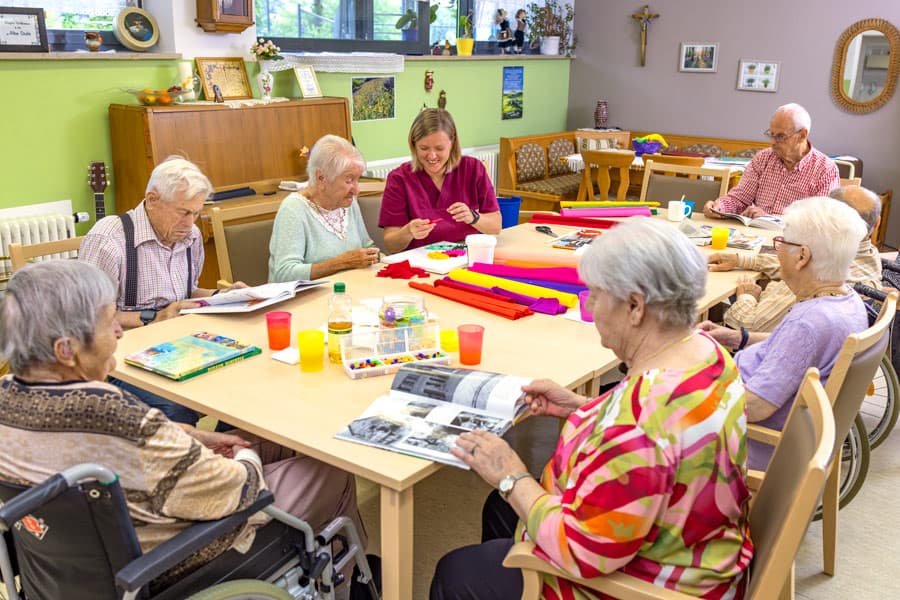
191, 355
252, 298
428, 406
763, 222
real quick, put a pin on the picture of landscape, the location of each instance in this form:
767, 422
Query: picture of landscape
513, 85
373, 98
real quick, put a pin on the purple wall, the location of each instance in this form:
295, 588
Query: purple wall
657, 97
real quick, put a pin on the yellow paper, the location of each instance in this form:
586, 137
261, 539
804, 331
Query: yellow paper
604, 204
517, 287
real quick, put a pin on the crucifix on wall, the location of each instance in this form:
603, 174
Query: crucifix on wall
644, 17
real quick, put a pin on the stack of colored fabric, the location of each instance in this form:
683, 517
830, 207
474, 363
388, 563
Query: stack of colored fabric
401, 270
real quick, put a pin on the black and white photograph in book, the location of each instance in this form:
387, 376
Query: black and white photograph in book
440, 438
378, 430
459, 386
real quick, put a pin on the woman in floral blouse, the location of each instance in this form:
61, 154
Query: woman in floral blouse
649, 478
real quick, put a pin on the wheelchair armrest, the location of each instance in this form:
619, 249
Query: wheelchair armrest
151, 565
31, 499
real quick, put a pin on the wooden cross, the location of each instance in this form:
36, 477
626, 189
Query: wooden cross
644, 17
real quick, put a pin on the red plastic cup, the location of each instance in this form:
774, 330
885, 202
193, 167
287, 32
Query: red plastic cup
278, 325
471, 339
586, 315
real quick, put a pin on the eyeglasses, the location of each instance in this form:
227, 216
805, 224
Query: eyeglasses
778, 240
780, 137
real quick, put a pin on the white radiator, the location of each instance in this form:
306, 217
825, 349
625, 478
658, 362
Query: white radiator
34, 229
486, 154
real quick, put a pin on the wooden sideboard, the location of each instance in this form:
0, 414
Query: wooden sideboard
251, 146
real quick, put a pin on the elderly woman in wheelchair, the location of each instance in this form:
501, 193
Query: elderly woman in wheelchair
58, 332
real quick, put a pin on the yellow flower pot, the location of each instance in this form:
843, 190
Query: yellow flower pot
464, 46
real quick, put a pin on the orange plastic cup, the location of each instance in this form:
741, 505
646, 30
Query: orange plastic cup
471, 340
278, 325
719, 238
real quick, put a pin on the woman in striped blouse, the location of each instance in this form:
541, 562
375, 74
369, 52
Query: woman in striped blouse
649, 478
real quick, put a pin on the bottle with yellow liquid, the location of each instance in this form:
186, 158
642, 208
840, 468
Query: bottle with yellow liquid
340, 320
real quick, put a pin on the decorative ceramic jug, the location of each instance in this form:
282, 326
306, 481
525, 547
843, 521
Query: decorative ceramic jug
264, 80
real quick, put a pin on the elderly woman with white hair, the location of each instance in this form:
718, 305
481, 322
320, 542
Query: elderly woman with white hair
320, 230
649, 478
59, 331
820, 240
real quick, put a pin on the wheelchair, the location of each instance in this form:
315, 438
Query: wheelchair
71, 538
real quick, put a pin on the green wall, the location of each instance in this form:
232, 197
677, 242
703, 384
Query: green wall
55, 114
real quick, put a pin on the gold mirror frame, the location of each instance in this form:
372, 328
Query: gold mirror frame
840, 57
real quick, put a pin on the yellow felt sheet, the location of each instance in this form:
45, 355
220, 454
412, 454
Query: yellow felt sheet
517, 287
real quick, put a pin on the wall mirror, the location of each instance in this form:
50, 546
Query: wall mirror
866, 64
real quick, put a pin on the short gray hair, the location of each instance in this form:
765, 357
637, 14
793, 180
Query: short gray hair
178, 176
47, 301
831, 229
653, 259
332, 155
872, 211
798, 115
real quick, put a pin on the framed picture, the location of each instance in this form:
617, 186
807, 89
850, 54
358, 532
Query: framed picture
230, 74
698, 57
372, 98
136, 29
758, 75
309, 84
23, 30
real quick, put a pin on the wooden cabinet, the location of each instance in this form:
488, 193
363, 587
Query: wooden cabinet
230, 16
255, 146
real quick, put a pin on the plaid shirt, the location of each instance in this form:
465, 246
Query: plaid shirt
162, 272
777, 299
766, 182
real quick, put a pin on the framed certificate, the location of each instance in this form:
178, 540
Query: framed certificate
309, 84
230, 74
23, 30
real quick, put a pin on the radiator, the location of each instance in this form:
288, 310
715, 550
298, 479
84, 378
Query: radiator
379, 169
32, 230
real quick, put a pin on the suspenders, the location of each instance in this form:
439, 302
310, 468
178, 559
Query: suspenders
131, 264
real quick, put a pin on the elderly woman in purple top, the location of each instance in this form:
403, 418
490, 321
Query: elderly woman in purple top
439, 195
820, 240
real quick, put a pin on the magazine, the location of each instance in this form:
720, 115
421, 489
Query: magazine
763, 222
191, 355
576, 239
428, 406
739, 240
252, 298
440, 257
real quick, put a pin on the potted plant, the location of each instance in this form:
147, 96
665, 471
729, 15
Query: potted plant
408, 22
465, 43
551, 26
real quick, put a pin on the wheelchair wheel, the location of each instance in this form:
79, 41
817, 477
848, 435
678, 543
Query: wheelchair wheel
854, 465
243, 589
882, 403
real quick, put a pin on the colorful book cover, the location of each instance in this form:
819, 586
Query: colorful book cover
191, 355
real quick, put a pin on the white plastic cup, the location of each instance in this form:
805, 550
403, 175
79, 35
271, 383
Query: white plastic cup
480, 248
678, 210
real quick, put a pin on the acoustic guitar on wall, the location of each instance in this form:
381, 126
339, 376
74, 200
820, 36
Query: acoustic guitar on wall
97, 179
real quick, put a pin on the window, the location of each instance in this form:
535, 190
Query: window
67, 20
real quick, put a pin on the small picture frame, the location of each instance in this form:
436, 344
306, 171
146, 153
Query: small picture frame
136, 29
698, 57
758, 75
229, 73
306, 79
23, 30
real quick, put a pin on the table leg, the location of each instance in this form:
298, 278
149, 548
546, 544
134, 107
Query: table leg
397, 543
585, 190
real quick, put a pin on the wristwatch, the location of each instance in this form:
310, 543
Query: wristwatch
147, 316
506, 485
475, 216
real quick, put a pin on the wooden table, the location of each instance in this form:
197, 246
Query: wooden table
303, 411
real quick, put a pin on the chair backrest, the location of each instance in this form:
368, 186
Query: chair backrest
675, 159
782, 508
855, 367
19, 255
242, 237
604, 160
665, 182
851, 181
370, 207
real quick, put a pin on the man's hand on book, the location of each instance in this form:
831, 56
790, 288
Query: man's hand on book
709, 210
488, 454
174, 308
753, 211
547, 397
722, 261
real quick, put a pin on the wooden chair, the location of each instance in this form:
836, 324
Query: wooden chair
851, 181
603, 161
370, 207
779, 512
20, 254
665, 182
242, 237
674, 159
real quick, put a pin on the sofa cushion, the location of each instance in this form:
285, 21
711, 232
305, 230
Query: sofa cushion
705, 149
561, 185
555, 151
531, 163
747, 152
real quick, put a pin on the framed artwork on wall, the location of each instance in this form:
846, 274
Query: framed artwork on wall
372, 98
136, 29
308, 82
758, 75
230, 74
698, 57
23, 30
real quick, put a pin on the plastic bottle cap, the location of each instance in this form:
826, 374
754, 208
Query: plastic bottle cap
339, 288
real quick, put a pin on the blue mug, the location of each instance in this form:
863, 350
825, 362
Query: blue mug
689, 204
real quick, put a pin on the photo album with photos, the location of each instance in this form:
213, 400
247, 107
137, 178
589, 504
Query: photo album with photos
428, 406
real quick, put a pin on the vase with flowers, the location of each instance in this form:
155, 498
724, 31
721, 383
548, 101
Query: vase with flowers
265, 52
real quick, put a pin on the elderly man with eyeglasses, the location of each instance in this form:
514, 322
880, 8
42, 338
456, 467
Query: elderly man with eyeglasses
788, 171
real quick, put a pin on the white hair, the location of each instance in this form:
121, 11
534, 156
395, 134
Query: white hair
799, 116
177, 176
332, 155
832, 231
47, 301
653, 259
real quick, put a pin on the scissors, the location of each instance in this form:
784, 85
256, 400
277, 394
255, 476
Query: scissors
545, 229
